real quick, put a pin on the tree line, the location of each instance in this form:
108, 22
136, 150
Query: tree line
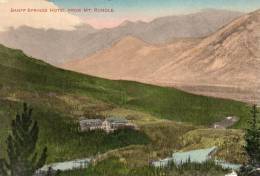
23, 159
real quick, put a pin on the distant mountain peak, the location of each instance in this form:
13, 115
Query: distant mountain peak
85, 26
58, 46
228, 57
130, 41
126, 22
129, 23
216, 10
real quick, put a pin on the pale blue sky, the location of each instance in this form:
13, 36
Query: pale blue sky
242, 5
148, 9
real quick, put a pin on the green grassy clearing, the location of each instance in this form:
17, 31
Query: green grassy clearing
60, 133
59, 97
21, 72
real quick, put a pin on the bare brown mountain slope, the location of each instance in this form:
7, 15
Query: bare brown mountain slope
225, 64
60, 46
230, 56
130, 58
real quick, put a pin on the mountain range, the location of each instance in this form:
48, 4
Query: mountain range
60, 46
226, 63
211, 52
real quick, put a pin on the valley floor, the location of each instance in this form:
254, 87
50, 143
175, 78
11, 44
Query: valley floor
169, 120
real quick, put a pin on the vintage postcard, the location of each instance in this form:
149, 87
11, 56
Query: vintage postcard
129, 88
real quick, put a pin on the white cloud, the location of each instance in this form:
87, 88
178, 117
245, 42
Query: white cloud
44, 20
3, 1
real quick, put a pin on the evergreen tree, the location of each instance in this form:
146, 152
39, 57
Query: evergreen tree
2, 168
51, 172
22, 158
252, 138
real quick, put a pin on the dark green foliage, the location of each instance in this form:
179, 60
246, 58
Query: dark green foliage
66, 142
22, 160
113, 167
23, 73
2, 168
252, 138
110, 167
248, 170
252, 147
125, 137
245, 170
59, 132
51, 172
